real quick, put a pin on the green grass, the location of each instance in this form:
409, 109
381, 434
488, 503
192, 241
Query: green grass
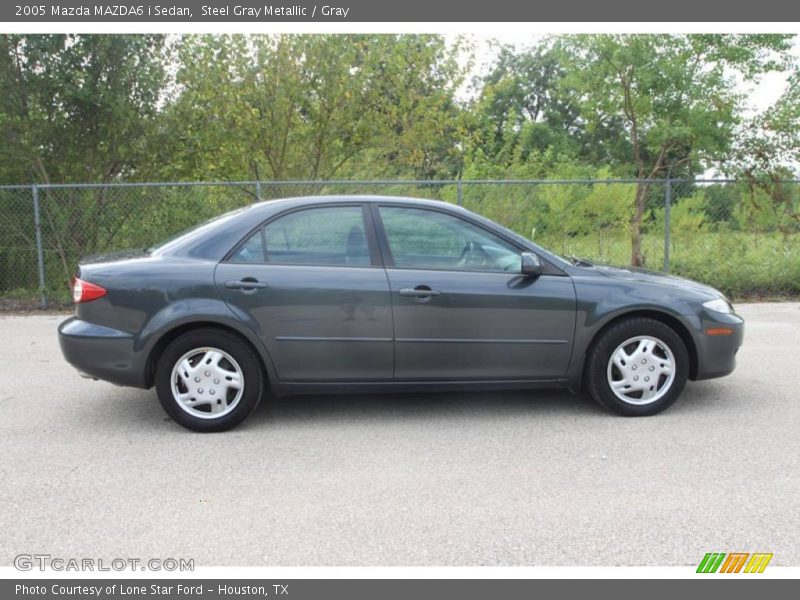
20, 294
742, 265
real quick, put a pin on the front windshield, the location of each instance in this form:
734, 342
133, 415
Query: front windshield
546, 252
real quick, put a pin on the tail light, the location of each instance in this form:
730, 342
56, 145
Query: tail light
83, 291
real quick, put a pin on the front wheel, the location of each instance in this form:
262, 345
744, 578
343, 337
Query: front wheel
637, 367
208, 380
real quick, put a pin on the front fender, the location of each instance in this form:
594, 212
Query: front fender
600, 303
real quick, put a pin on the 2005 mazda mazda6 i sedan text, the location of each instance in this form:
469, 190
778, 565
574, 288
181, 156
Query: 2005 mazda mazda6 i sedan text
351, 293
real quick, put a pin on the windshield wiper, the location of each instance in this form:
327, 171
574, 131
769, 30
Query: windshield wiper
581, 262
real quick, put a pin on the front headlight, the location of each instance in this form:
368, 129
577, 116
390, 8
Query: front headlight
719, 305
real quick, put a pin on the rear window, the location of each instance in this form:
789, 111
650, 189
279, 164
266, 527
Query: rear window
194, 232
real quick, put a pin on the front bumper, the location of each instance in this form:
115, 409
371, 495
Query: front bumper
716, 349
101, 352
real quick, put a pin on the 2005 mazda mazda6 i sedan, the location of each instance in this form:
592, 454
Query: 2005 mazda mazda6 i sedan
351, 293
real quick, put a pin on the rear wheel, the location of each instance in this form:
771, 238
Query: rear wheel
637, 367
209, 380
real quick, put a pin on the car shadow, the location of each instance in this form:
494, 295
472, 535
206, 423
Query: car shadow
139, 409
425, 406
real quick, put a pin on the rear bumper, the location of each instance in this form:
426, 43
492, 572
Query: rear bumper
716, 349
101, 352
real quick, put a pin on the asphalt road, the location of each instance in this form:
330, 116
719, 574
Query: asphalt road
91, 470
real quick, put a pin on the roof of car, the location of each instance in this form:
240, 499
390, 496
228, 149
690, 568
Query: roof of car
333, 199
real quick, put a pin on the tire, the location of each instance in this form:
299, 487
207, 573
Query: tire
209, 380
644, 360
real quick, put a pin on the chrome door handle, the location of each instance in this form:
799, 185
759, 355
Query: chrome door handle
246, 284
419, 292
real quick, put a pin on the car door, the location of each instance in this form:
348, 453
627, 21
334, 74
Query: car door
461, 307
310, 283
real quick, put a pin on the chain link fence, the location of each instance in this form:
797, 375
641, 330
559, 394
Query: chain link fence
19, 279
741, 237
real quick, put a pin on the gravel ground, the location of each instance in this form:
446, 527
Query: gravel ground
92, 470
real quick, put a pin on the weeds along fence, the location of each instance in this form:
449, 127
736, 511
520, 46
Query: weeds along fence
741, 237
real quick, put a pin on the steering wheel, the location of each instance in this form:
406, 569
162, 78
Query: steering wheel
473, 254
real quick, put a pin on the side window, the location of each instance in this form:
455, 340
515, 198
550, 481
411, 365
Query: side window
252, 251
428, 239
318, 236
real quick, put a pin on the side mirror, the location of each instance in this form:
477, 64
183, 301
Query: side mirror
530, 264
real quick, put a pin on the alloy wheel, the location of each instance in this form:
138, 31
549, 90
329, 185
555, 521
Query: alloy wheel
641, 370
207, 383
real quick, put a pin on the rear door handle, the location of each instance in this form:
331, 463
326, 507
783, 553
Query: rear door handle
421, 291
246, 284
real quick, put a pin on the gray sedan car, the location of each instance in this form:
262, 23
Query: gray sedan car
362, 293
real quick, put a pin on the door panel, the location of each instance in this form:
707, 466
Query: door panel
482, 325
305, 283
482, 318
318, 323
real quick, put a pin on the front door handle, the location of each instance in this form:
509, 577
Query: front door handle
421, 291
248, 284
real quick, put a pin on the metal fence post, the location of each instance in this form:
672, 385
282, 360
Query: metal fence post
258, 190
667, 228
459, 193
39, 251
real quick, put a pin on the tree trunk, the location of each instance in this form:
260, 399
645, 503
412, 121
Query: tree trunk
637, 256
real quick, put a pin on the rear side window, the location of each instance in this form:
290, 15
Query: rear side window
252, 251
332, 235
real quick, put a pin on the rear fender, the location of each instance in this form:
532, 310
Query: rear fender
200, 311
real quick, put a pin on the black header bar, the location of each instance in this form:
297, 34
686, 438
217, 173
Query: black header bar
343, 11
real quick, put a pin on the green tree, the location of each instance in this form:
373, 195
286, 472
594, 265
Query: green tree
769, 143
677, 95
78, 108
313, 106
765, 157
523, 111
